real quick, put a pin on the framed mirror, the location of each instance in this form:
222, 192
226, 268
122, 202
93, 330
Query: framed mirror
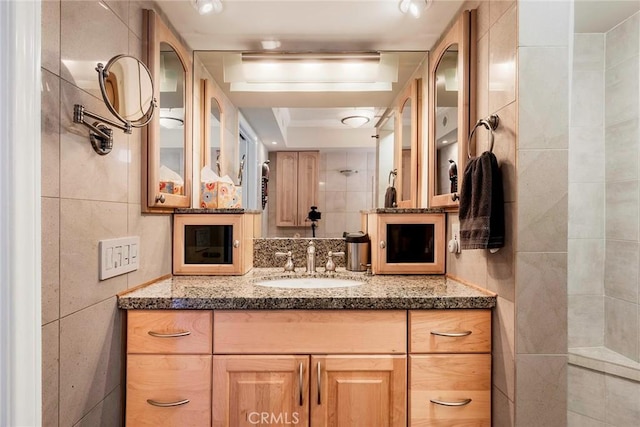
406, 147
212, 128
167, 158
450, 112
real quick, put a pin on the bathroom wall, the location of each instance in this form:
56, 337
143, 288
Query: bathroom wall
522, 75
587, 193
86, 198
495, 45
340, 198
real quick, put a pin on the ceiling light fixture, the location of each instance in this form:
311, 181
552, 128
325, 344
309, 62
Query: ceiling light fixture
414, 7
310, 72
270, 44
357, 117
207, 6
171, 122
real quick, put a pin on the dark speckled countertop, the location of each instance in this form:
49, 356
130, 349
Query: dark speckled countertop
383, 292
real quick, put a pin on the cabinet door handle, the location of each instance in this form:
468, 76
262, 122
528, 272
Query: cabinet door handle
160, 198
300, 385
319, 386
167, 405
444, 403
236, 243
383, 244
169, 335
451, 334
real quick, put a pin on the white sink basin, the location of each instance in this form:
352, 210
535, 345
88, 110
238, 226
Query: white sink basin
309, 283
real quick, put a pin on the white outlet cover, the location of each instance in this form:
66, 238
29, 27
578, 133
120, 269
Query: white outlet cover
111, 253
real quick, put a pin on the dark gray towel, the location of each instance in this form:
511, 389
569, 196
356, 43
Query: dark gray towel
482, 204
390, 198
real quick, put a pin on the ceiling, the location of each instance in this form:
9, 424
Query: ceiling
310, 26
600, 16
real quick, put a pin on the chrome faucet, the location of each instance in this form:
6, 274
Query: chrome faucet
311, 257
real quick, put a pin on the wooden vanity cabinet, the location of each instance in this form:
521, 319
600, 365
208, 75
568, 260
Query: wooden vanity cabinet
297, 177
168, 368
308, 367
450, 368
363, 385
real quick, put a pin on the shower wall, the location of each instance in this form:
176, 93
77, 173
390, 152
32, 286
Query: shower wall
604, 237
604, 198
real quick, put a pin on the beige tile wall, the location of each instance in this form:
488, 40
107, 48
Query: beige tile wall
86, 198
496, 94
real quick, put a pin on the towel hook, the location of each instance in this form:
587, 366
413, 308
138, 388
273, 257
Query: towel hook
490, 123
392, 181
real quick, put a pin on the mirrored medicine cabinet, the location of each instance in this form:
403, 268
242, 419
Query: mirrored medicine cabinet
406, 156
167, 141
451, 109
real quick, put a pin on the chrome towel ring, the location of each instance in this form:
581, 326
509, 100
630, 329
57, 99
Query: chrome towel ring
490, 123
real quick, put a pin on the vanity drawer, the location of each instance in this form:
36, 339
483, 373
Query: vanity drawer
450, 331
168, 390
310, 332
169, 331
460, 380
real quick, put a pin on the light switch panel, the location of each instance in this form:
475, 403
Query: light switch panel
118, 256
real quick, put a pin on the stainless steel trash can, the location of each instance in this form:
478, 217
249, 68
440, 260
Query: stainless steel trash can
357, 251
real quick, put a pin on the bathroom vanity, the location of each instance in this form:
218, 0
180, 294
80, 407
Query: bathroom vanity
225, 351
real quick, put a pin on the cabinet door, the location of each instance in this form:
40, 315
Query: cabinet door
308, 165
358, 391
287, 188
167, 139
260, 390
450, 390
167, 390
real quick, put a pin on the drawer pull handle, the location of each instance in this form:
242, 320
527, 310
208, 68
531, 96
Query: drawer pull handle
451, 334
443, 403
319, 386
167, 405
300, 386
169, 335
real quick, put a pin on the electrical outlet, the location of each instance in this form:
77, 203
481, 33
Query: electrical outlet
118, 256
455, 231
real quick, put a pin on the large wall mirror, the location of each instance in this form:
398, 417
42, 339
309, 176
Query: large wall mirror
406, 143
450, 112
167, 156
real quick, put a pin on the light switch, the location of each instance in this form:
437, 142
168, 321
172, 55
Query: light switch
118, 256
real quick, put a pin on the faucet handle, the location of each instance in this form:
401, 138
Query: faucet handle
331, 266
288, 266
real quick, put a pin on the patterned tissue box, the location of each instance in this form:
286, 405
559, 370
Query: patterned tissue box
220, 195
170, 187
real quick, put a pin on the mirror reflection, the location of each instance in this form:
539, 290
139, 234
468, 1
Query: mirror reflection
446, 122
405, 134
354, 156
172, 132
386, 134
215, 135
128, 88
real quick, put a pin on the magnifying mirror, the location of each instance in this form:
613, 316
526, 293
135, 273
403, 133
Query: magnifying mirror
127, 90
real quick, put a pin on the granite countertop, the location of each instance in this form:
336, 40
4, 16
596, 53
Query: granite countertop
403, 210
216, 211
382, 292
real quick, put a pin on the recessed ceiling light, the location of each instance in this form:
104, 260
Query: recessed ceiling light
274, 142
270, 44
